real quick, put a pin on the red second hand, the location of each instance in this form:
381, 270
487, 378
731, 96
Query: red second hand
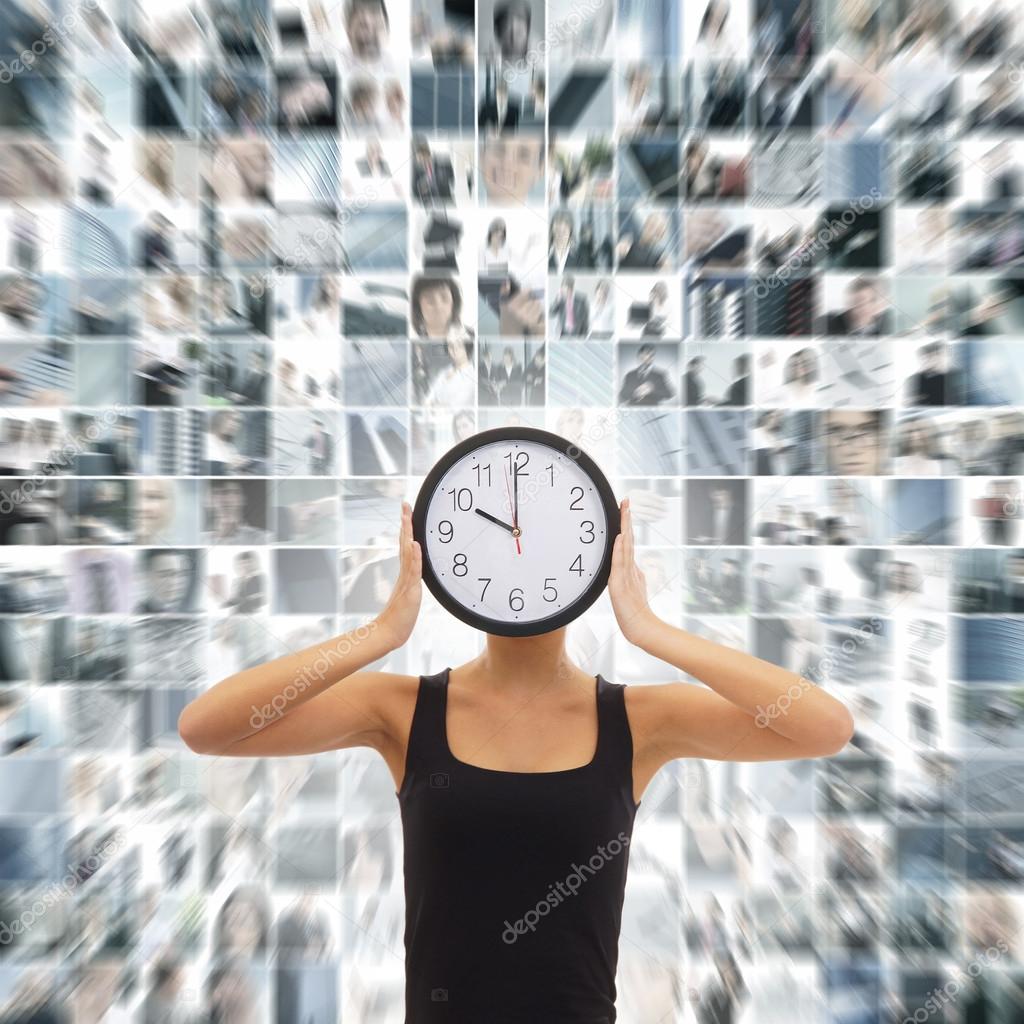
512, 509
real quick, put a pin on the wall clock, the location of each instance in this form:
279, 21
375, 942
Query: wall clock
516, 526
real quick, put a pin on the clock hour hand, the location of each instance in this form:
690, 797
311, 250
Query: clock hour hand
487, 515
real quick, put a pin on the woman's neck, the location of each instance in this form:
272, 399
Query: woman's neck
525, 665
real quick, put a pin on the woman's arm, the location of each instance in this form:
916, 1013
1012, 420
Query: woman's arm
753, 710
305, 702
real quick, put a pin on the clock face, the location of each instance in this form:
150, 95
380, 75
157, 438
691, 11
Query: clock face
516, 527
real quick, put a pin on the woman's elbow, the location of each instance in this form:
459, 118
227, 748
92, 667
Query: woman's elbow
193, 728
834, 732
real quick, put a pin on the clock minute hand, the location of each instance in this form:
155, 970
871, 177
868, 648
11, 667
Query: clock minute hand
515, 518
493, 519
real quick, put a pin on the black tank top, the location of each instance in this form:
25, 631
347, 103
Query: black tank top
514, 881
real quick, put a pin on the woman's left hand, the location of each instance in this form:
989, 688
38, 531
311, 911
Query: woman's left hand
627, 587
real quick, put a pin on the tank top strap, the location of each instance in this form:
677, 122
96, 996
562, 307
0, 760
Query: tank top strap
426, 749
615, 740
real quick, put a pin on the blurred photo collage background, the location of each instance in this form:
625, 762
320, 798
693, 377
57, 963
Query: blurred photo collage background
262, 262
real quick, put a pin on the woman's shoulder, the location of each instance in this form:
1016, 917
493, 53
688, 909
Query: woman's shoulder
648, 703
395, 695
375, 708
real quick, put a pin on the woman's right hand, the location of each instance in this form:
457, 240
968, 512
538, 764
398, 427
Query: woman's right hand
399, 614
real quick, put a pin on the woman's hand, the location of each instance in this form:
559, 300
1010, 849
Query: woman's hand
627, 587
398, 618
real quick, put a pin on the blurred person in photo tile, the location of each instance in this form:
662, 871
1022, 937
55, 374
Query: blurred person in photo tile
571, 310
370, 48
494, 254
867, 312
645, 384
934, 382
521, 311
225, 511
602, 312
998, 512
436, 309
511, 167
854, 442
231, 995
164, 1000
455, 386
512, 24
433, 176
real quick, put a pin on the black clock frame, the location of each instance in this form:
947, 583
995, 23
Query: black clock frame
561, 445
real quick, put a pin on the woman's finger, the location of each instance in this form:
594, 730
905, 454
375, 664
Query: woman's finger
627, 530
403, 541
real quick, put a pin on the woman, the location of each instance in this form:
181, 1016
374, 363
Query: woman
509, 769
494, 257
220, 441
323, 319
289, 387
243, 923
463, 425
436, 309
455, 385
800, 376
